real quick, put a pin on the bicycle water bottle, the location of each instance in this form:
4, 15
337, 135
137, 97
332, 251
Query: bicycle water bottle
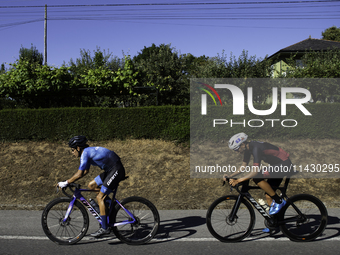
94, 205
264, 204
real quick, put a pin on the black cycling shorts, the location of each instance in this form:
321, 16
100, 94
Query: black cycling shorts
275, 178
110, 179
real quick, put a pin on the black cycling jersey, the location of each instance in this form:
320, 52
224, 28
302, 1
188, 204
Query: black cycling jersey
267, 152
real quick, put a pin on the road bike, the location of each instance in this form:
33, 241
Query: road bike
232, 218
134, 220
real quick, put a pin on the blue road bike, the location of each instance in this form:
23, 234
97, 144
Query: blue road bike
134, 220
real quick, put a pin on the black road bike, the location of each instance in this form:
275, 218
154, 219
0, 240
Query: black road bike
232, 218
134, 220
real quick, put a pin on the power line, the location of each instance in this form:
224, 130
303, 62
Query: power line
172, 4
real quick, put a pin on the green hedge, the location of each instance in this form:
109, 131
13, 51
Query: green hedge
163, 122
168, 123
324, 123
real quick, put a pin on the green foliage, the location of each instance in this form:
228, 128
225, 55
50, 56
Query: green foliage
324, 64
324, 123
30, 83
100, 59
2, 68
331, 33
31, 55
244, 66
158, 75
164, 122
168, 123
33, 85
161, 68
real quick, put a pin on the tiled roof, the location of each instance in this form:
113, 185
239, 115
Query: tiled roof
309, 44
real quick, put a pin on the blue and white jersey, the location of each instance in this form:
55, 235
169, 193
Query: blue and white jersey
98, 156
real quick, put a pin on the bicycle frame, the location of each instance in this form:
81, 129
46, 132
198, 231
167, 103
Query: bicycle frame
244, 192
77, 195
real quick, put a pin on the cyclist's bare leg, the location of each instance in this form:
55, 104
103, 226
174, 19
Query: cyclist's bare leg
269, 200
100, 198
93, 186
266, 187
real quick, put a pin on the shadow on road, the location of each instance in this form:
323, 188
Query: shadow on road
175, 229
257, 234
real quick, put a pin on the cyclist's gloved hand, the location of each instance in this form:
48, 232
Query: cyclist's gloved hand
63, 184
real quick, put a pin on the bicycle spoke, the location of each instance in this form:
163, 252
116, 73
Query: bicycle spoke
308, 222
146, 221
223, 227
64, 231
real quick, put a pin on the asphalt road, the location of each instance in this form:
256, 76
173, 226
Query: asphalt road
181, 232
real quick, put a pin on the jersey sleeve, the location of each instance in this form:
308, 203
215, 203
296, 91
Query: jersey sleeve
246, 157
257, 153
84, 161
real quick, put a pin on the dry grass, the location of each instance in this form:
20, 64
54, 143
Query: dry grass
158, 170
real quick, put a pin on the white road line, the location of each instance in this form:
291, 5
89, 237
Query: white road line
178, 239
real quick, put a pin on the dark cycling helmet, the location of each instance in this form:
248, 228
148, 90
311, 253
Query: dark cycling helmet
78, 141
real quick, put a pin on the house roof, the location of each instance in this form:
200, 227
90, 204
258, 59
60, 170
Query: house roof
309, 44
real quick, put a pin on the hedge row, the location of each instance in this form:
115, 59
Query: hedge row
165, 122
324, 123
168, 123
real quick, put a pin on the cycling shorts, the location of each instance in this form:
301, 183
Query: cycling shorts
109, 180
277, 176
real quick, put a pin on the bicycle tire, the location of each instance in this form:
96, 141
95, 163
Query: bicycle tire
230, 231
147, 224
75, 227
309, 228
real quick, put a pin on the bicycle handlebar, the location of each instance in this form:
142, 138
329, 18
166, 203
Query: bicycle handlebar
231, 187
70, 186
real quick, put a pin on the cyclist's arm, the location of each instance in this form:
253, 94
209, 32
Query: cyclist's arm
243, 166
253, 172
255, 169
79, 174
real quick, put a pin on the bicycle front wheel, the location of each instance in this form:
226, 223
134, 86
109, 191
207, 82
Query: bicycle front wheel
307, 224
70, 231
146, 225
227, 229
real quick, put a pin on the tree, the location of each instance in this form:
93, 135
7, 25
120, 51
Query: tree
31, 55
162, 69
331, 33
100, 59
324, 64
2, 69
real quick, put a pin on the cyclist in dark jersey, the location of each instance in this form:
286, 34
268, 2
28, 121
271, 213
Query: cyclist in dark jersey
113, 173
277, 159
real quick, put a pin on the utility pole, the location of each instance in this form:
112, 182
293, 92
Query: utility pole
45, 36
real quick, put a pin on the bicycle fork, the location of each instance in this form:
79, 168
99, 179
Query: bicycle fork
259, 208
69, 210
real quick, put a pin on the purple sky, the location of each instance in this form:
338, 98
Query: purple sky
198, 27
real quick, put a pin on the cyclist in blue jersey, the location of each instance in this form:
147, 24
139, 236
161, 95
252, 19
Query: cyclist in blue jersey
274, 156
113, 173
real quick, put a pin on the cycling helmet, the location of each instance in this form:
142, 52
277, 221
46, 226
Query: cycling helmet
236, 141
78, 141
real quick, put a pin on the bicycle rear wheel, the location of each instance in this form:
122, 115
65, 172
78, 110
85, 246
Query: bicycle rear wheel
146, 225
69, 232
310, 224
230, 230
